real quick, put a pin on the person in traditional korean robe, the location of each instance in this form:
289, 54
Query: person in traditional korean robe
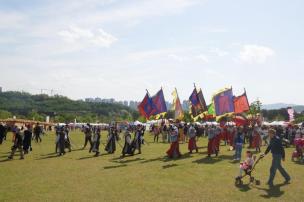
192, 139
18, 141
27, 139
217, 139
173, 151
96, 142
257, 139
37, 132
137, 141
2, 132
61, 142
88, 135
128, 146
211, 141
112, 138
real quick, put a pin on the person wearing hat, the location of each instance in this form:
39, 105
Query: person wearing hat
18, 141
128, 146
112, 137
137, 141
96, 141
61, 141
27, 140
37, 132
278, 154
2, 132
192, 139
173, 151
88, 135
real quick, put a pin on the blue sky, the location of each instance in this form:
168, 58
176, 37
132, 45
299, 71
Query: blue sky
112, 48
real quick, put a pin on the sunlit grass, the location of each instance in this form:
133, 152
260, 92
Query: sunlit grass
150, 176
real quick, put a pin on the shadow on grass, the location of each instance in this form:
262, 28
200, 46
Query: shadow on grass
273, 192
123, 161
112, 167
299, 162
167, 159
48, 157
243, 187
93, 156
5, 160
153, 160
208, 160
169, 166
184, 156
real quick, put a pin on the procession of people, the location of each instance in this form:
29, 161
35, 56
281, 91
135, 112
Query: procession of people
235, 137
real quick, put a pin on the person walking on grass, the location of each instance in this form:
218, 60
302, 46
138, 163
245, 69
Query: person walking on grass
37, 132
192, 133
238, 142
278, 155
18, 141
27, 139
88, 136
96, 142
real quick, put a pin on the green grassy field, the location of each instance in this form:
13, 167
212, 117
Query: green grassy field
150, 176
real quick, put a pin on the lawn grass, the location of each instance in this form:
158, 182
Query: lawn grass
150, 176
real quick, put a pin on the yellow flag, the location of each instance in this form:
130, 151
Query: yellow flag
176, 106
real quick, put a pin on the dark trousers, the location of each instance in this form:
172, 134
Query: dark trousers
1, 138
87, 139
37, 137
14, 149
156, 137
276, 165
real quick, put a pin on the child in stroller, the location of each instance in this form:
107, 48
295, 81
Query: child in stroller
247, 167
298, 153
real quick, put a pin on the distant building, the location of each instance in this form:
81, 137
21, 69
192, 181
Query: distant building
98, 99
133, 104
89, 99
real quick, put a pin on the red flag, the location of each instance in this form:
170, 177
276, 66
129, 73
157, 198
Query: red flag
241, 104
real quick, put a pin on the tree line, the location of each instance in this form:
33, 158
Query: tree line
61, 109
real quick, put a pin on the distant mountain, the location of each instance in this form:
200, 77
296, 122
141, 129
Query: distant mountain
297, 108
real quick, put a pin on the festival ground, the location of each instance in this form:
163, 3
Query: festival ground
150, 176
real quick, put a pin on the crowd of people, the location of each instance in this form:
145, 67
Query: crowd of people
235, 138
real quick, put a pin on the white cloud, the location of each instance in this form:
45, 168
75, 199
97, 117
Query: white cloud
178, 58
218, 52
139, 10
11, 20
255, 54
78, 35
203, 58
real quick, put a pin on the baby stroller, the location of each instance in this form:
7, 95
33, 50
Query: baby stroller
248, 172
298, 153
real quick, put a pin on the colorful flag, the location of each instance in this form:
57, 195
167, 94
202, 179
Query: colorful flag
202, 100
197, 103
241, 104
146, 107
195, 107
291, 114
159, 103
240, 120
211, 110
176, 106
223, 102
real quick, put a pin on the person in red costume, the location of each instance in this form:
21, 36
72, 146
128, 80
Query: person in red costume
173, 151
